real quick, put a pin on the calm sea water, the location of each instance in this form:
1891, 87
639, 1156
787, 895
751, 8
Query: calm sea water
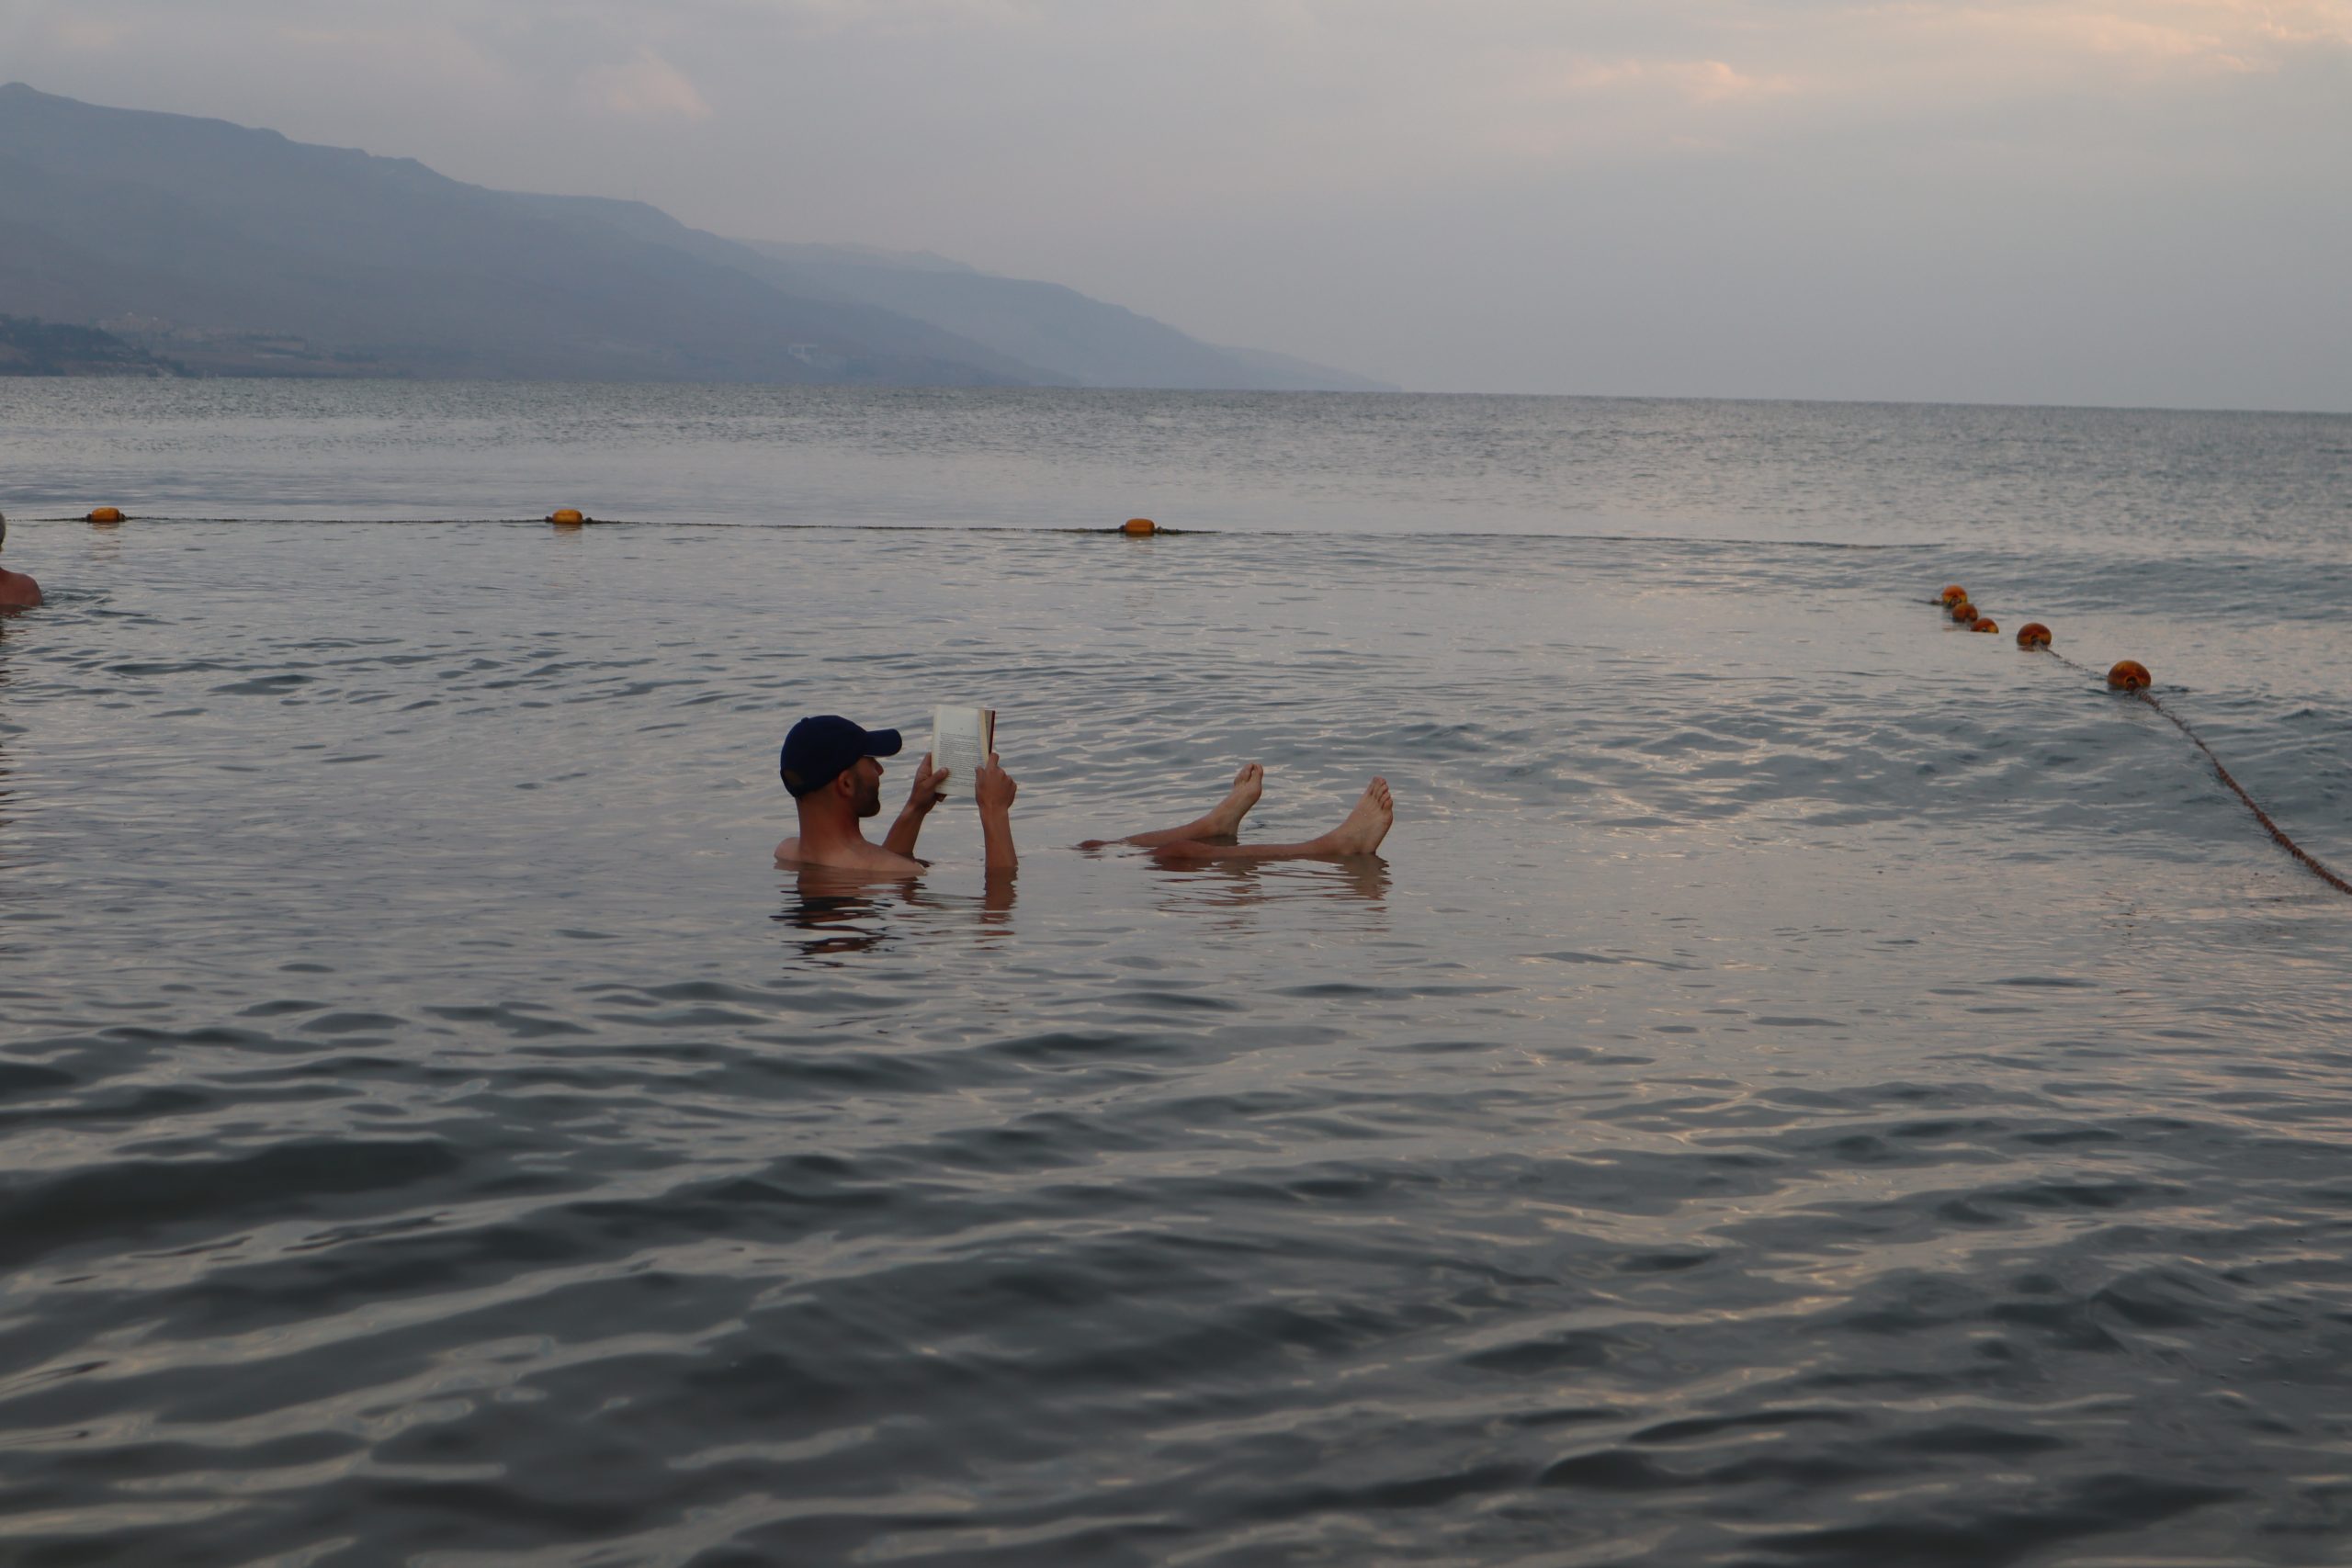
1802, 1085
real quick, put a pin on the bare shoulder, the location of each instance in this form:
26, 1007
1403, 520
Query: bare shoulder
869, 859
879, 861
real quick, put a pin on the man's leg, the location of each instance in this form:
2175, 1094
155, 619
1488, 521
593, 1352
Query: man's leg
1359, 835
1222, 821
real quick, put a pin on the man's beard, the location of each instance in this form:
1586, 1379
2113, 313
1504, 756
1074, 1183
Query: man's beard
869, 799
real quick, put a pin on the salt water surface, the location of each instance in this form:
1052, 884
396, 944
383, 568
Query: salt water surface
1802, 1084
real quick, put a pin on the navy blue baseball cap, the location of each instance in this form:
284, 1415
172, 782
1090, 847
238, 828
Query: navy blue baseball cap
821, 749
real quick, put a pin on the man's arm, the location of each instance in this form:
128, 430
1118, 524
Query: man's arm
994, 789
901, 839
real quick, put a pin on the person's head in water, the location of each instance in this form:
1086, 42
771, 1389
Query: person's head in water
830, 764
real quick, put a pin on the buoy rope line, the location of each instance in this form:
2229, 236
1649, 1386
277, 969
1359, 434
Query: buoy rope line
2131, 679
2311, 861
558, 519
1485, 535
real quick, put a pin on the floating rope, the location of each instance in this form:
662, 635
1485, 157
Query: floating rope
2133, 679
2310, 863
572, 517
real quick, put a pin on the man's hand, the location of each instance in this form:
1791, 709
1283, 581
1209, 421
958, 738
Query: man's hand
930, 786
994, 788
901, 839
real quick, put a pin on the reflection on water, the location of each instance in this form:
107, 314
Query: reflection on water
8, 851
840, 917
1248, 884
844, 913
841, 914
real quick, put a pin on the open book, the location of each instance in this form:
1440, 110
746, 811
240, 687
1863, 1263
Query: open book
961, 739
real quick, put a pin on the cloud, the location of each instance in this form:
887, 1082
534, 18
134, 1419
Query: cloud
87, 34
2152, 43
898, 18
1721, 78
1690, 81
647, 87
420, 56
2140, 39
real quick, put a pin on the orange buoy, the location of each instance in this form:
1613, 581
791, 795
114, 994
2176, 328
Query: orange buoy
1955, 594
102, 514
2131, 676
567, 517
2033, 634
1963, 612
1985, 624
1138, 526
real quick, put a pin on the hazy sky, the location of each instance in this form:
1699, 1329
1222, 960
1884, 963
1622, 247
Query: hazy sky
2113, 201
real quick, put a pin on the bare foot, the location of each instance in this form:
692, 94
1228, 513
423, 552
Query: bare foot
1224, 818
1366, 825
1359, 835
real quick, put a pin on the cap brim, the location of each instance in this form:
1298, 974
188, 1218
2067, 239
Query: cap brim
883, 743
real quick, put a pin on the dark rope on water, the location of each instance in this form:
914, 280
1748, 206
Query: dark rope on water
2137, 686
2310, 863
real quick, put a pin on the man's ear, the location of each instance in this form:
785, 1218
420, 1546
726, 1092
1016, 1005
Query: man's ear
845, 784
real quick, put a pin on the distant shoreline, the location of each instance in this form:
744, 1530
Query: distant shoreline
171, 369
31, 348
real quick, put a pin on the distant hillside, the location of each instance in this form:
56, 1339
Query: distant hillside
240, 252
1057, 330
1291, 374
227, 244
1045, 324
46, 348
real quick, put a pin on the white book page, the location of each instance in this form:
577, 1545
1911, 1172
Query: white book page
960, 741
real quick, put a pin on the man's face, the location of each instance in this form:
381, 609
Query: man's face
867, 776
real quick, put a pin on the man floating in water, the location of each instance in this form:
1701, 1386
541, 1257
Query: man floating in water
833, 770
18, 592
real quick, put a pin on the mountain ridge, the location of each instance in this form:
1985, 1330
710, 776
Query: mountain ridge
236, 249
